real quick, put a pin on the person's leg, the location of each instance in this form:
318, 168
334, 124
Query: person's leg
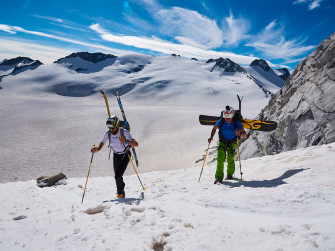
230, 159
220, 160
120, 162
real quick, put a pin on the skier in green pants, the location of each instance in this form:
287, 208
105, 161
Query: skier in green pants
229, 128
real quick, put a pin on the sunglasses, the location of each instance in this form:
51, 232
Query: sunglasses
112, 127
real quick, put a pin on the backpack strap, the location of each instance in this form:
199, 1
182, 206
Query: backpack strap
220, 129
121, 132
123, 136
109, 137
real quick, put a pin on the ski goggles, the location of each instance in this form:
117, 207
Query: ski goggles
112, 127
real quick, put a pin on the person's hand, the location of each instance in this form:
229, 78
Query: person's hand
123, 140
210, 140
237, 133
94, 150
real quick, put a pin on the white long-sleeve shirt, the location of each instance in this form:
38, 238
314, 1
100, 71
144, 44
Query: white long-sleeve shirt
116, 144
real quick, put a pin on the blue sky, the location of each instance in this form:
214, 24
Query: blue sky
281, 31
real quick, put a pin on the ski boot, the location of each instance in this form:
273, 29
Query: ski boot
217, 181
121, 195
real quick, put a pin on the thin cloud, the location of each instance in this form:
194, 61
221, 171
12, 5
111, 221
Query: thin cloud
15, 29
312, 4
185, 26
163, 46
235, 30
53, 19
189, 24
62, 22
273, 45
150, 5
7, 28
28, 48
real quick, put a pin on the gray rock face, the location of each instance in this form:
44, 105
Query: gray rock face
304, 108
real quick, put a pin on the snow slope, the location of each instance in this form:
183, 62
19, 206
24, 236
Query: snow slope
268, 79
286, 202
52, 116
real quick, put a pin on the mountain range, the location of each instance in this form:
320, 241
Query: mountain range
258, 72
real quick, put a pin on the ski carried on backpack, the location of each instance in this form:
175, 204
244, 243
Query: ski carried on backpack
125, 122
109, 115
106, 101
260, 125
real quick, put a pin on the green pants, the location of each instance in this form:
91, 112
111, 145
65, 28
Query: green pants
222, 157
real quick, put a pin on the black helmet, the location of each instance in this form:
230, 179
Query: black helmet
112, 122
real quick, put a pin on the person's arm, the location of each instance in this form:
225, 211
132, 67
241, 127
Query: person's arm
241, 133
128, 139
212, 134
97, 149
132, 142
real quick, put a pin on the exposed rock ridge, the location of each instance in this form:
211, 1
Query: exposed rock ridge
304, 108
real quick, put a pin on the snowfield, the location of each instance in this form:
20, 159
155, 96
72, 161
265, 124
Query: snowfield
52, 116
286, 202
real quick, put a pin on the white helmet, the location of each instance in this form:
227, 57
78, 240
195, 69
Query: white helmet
112, 122
228, 113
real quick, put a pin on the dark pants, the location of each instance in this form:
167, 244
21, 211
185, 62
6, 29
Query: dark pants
120, 162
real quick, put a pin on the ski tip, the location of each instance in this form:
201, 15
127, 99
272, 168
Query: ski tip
102, 92
144, 188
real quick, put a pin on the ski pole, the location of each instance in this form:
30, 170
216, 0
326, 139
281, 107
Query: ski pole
136, 172
239, 157
88, 175
122, 136
204, 162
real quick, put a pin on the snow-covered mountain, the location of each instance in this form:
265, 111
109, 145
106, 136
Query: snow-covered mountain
283, 73
85, 62
304, 108
17, 65
225, 66
264, 75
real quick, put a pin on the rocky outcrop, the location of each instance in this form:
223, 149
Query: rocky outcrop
17, 65
85, 62
225, 65
48, 181
304, 108
261, 63
90, 57
32, 66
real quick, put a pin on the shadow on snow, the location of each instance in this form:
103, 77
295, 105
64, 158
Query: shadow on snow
264, 183
129, 201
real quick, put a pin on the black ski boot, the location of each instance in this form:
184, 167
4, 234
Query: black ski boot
217, 181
